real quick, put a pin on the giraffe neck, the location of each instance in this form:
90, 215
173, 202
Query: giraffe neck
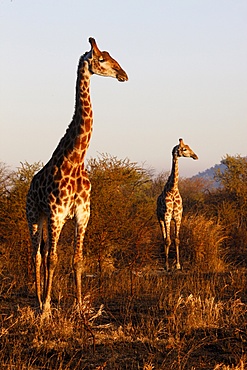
75, 142
172, 182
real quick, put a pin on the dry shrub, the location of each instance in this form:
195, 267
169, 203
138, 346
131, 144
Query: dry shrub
241, 366
201, 240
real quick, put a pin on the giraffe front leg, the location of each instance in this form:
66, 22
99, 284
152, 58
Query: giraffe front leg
82, 218
52, 262
177, 243
78, 266
167, 248
163, 231
54, 230
168, 239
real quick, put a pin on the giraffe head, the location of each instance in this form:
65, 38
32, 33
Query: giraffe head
101, 63
183, 150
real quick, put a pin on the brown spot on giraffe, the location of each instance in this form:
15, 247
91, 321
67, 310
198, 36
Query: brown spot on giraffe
87, 124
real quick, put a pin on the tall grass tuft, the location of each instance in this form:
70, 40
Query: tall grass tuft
201, 240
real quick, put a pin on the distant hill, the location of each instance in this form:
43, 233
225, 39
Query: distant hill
209, 174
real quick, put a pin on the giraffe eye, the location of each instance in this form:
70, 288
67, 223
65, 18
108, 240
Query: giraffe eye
101, 59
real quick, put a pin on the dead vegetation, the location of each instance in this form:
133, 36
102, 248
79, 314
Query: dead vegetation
172, 321
135, 315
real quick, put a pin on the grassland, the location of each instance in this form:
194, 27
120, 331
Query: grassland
135, 315
132, 319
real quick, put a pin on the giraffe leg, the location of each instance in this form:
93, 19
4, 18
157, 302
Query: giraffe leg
44, 254
167, 248
167, 241
37, 264
53, 236
52, 261
78, 265
36, 237
177, 242
82, 217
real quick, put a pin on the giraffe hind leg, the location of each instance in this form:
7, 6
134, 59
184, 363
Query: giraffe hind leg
37, 262
36, 238
167, 243
44, 254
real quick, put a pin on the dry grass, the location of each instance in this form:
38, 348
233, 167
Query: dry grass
172, 321
134, 317
202, 243
241, 366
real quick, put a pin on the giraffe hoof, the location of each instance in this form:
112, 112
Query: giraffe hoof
46, 311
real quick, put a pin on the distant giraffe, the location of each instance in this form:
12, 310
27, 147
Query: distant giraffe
61, 189
169, 202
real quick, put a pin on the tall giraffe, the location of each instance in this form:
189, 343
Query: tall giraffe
169, 202
61, 189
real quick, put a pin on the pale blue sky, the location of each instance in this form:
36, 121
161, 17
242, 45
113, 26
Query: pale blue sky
186, 61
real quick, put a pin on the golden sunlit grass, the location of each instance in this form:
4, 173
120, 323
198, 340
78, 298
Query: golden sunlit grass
171, 322
203, 239
134, 317
241, 366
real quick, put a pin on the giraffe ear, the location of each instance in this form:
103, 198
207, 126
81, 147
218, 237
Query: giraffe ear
94, 45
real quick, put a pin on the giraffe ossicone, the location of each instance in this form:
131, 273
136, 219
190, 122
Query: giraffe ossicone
169, 202
61, 189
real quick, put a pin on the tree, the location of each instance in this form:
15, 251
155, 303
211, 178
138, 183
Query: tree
122, 212
233, 179
229, 204
15, 244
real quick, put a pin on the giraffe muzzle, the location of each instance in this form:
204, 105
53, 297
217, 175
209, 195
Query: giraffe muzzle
122, 76
194, 156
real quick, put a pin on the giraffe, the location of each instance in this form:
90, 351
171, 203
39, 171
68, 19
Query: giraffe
169, 202
61, 189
